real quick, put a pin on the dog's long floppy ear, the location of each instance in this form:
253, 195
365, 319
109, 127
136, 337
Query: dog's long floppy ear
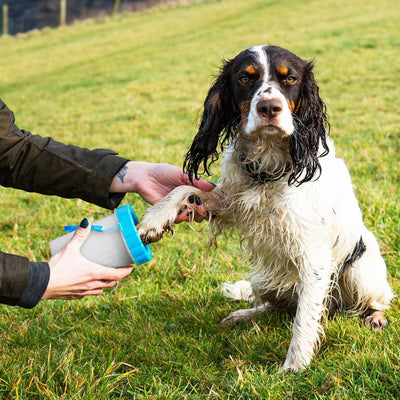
311, 131
219, 117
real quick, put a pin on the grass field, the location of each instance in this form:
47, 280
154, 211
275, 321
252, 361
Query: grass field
136, 84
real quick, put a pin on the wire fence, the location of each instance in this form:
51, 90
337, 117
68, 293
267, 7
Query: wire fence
26, 15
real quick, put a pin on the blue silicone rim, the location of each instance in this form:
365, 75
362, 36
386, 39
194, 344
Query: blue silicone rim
127, 220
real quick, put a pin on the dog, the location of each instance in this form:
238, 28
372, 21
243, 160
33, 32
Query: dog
288, 196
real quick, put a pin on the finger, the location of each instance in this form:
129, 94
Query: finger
94, 292
112, 274
95, 285
199, 183
204, 185
71, 297
80, 235
107, 284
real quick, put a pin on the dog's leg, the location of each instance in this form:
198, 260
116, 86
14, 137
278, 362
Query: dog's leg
241, 290
312, 292
365, 287
243, 315
160, 218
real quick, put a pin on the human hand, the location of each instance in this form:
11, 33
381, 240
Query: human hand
154, 181
72, 276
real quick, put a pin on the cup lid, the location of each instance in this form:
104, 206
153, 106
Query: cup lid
127, 220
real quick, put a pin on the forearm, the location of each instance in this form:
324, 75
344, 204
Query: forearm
132, 177
153, 181
43, 165
122, 181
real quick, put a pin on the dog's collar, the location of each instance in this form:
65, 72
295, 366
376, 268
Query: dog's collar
261, 176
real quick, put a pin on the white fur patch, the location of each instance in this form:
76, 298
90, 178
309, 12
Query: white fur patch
240, 290
268, 90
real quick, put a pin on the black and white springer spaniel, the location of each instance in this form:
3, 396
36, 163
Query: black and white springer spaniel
288, 196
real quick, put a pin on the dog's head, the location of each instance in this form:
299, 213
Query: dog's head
264, 90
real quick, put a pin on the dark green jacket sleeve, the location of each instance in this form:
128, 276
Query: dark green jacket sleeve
14, 274
43, 165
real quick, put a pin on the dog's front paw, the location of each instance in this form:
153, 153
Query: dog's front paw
290, 367
299, 359
181, 204
152, 228
153, 234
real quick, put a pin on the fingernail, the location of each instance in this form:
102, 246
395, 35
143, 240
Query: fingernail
191, 199
198, 201
211, 183
84, 223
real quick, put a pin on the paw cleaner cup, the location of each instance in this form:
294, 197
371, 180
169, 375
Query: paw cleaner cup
113, 240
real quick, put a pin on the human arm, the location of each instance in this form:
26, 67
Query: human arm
43, 165
153, 181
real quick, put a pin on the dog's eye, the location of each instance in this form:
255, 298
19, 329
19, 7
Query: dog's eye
291, 79
244, 79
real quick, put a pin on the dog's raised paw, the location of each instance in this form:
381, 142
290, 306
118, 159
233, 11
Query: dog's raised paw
153, 235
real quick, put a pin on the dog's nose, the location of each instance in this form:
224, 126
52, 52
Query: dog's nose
269, 108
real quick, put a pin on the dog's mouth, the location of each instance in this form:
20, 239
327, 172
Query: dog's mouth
272, 129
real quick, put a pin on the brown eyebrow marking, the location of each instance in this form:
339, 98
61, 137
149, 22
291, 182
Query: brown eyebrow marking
283, 70
251, 70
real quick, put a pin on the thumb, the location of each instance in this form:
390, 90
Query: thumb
80, 236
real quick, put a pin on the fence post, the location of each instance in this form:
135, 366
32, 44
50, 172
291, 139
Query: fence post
63, 12
5, 20
115, 7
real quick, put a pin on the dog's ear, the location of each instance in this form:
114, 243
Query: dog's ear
217, 124
311, 131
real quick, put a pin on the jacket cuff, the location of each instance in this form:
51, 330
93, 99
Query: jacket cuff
14, 273
114, 199
39, 274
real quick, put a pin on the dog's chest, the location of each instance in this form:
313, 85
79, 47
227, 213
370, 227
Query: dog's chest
264, 213
269, 226
273, 218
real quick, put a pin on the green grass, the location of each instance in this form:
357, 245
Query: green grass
136, 84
